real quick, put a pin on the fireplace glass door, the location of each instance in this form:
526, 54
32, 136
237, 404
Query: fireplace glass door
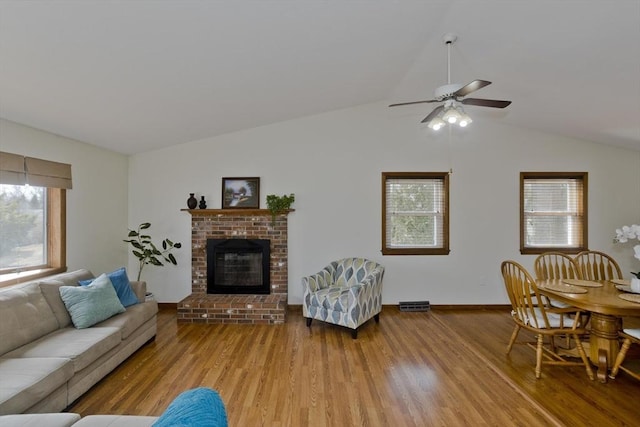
238, 266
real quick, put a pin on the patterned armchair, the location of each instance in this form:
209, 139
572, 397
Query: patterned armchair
347, 292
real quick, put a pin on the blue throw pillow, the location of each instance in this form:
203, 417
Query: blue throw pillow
199, 407
88, 305
122, 285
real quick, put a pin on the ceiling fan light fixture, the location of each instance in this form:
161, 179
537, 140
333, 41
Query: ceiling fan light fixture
451, 115
436, 123
464, 120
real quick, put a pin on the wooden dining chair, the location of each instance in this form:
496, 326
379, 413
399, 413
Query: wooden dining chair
596, 265
532, 313
556, 265
629, 336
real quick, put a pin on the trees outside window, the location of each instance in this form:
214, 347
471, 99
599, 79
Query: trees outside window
415, 213
23, 219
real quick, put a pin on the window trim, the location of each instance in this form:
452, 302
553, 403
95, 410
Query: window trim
444, 250
56, 241
583, 204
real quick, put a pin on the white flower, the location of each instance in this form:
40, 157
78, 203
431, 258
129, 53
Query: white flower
627, 232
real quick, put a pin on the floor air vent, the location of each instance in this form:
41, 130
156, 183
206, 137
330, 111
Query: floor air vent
414, 306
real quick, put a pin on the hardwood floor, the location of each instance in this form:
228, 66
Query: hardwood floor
439, 368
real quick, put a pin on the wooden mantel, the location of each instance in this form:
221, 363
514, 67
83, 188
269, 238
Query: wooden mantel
233, 211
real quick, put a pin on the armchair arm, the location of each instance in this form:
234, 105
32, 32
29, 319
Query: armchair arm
315, 282
368, 285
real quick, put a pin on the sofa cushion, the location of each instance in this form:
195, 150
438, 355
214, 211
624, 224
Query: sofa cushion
81, 346
121, 284
26, 316
135, 316
51, 291
29, 380
91, 304
351, 271
199, 407
64, 419
73, 277
332, 298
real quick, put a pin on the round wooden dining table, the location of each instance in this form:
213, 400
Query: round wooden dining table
602, 299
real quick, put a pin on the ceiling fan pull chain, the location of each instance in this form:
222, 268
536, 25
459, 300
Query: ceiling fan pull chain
448, 63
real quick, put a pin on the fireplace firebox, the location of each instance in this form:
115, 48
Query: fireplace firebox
238, 266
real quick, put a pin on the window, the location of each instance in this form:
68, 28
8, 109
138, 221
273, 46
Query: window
553, 212
32, 217
415, 213
23, 223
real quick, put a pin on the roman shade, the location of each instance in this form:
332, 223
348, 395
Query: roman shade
18, 170
12, 169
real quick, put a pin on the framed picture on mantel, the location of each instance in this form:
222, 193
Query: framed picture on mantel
241, 193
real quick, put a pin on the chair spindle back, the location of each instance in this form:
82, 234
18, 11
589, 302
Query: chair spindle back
524, 295
595, 265
556, 265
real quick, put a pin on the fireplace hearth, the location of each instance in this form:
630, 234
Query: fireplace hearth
230, 227
238, 266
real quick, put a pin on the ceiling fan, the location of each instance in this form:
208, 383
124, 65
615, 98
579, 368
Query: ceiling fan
452, 95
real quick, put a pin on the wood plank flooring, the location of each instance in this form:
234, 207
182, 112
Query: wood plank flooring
439, 368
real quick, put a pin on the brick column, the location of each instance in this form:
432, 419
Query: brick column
200, 307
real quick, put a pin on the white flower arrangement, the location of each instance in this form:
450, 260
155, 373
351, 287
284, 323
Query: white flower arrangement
627, 233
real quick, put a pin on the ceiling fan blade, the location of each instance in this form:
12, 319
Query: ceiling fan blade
486, 102
471, 87
434, 113
414, 102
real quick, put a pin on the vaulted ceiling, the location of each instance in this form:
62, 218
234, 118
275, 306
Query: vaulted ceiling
133, 76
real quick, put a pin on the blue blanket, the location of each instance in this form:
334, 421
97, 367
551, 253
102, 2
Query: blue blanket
199, 407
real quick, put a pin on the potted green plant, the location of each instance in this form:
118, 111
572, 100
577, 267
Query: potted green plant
279, 204
147, 252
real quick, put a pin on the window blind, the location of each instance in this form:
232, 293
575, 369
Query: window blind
414, 213
553, 212
12, 169
18, 170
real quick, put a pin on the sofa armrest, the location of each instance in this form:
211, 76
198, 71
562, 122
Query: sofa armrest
140, 289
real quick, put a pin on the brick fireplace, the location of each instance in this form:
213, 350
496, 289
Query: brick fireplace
202, 307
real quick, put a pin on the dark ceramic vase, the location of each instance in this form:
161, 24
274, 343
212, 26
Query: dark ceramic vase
192, 202
203, 203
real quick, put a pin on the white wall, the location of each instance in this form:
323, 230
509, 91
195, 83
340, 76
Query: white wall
97, 204
333, 164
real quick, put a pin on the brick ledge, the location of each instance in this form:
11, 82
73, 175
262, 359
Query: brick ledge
249, 309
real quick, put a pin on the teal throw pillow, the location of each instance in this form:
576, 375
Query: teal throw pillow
199, 407
88, 305
122, 285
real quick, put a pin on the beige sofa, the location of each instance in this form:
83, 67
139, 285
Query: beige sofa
45, 362
197, 407
69, 419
